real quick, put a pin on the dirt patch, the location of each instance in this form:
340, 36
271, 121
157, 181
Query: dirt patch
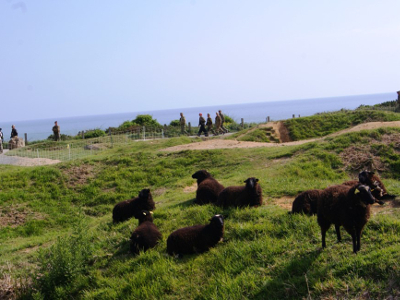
159, 191
190, 189
361, 157
10, 287
79, 175
285, 202
17, 215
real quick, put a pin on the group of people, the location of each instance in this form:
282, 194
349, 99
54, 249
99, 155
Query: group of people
14, 133
207, 126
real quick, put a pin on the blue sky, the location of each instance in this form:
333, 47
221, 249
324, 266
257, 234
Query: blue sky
64, 58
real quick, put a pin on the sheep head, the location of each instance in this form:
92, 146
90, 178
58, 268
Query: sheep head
144, 215
201, 175
363, 192
144, 194
217, 220
251, 182
365, 177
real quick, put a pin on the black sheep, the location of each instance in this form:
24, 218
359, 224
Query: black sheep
127, 209
241, 196
306, 202
345, 206
208, 188
146, 235
197, 238
374, 182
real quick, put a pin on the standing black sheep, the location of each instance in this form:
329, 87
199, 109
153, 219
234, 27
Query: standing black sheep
345, 206
306, 202
208, 188
241, 196
127, 209
146, 235
197, 238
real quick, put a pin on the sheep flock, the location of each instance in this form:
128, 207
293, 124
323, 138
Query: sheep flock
346, 205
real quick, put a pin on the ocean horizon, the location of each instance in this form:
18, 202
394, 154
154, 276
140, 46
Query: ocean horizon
250, 112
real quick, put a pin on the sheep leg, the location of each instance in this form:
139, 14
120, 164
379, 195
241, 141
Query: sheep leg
323, 234
354, 237
337, 228
358, 235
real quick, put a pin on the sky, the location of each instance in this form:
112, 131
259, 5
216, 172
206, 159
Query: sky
62, 58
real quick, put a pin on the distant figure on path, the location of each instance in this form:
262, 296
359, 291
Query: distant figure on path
218, 124
182, 121
202, 123
1, 141
222, 122
209, 124
14, 132
56, 132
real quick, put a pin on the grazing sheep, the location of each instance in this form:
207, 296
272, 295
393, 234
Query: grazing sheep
208, 188
306, 202
345, 206
146, 235
127, 209
241, 196
197, 238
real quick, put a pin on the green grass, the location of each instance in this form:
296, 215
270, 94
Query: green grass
327, 123
73, 251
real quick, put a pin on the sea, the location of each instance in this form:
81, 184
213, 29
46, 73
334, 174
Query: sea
249, 112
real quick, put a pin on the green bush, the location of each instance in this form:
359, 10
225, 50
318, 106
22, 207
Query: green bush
94, 133
175, 123
63, 263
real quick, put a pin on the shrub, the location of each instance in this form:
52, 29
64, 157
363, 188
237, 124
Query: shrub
175, 123
62, 263
94, 133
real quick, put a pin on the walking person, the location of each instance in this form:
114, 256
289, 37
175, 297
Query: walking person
209, 124
217, 124
202, 123
222, 122
14, 132
56, 132
1, 141
182, 121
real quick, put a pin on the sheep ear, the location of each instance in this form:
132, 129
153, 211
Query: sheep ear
256, 179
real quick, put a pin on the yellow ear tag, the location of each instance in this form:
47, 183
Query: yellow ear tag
144, 213
356, 192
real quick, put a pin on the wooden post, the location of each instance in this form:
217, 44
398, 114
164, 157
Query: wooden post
26, 139
293, 116
268, 119
398, 97
299, 115
190, 127
242, 122
83, 134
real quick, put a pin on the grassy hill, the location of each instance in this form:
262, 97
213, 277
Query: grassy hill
58, 240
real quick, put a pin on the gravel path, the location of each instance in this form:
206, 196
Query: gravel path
25, 161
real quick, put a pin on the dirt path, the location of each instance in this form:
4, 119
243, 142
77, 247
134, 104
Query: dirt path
25, 161
220, 143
